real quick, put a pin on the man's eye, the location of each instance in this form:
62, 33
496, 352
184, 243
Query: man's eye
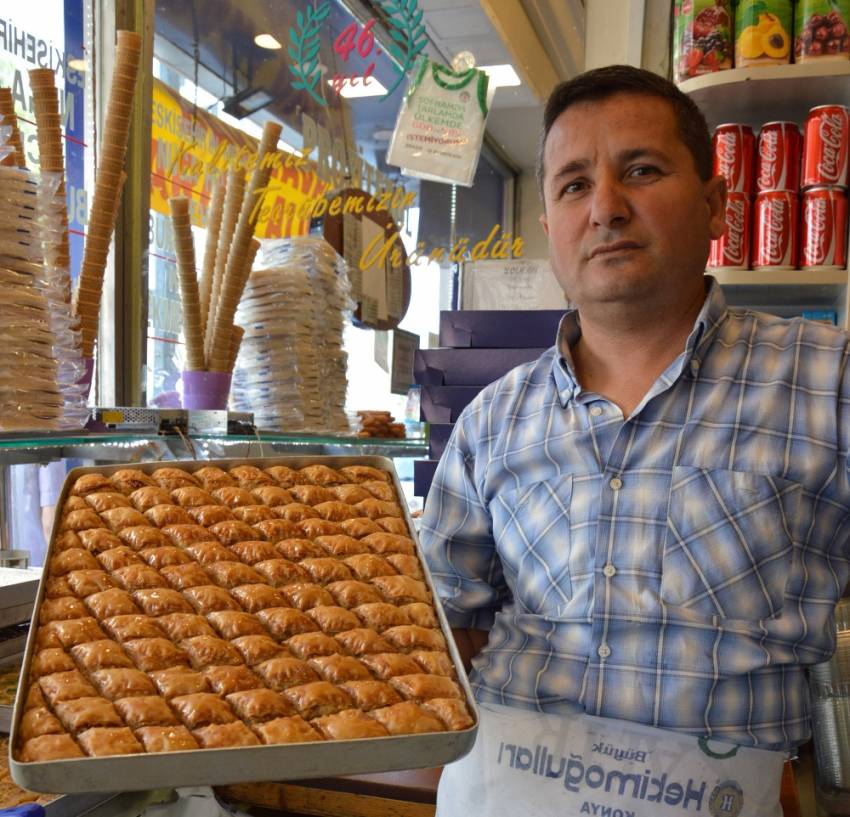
642, 171
574, 187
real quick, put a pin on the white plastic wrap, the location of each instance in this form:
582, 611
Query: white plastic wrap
291, 370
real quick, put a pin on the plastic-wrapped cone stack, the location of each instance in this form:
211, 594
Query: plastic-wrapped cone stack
8, 119
109, 180
188, 283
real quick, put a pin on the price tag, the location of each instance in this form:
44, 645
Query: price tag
369, 310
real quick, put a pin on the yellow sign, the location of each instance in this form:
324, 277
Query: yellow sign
189, 151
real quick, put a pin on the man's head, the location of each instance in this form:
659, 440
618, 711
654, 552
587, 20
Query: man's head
630, 204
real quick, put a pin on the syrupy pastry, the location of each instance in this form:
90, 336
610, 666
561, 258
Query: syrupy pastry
393, 524
181, 577
101, 501
255, 649
421, 614
381, 615
209, 598
83, 713
111, 603
254, 551
408, 718
226, 680
363, 641
256, 597
180, 626
318, 698
402, 589
312, 645
380, 489
50, 747
66, 540
306, 595
350, 724
232, 574
212, 477
144, 536
337, 511
138, 577
298, 549
119, 518
61, 609
127, 627
260, 705
309, 494
390, 664
115, 684
127, 480
228, 533
272, 495
363, 473
167, 739
287, 730
233, 496
101, 741
283, 672
192, 497
38, 721
76, 631
165, 556
161, 601
86, 583
90, 484
295, 512
117, 557
210, 651
371, 694
326, 570
80, 520
342, 545
57, 587
279, 572
253, 514
65, 686
385, 543
365, 566
322, 475
353, 593
377, 508
284, 476
249, 476
317, 526
173, 478
201, 709
210, 514
360, 527
338, 668
152, 654
149, 710
144, 499
206, 553
162, 515
75, 503
185, 535
219, 736
230, 624
285, 622
422, 687
406, 564
435, 662
349, 493
332, 619
409, 637
51, 660
276, 529
179, 681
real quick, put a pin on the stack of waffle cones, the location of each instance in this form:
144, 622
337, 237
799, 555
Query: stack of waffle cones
9, 120
212, 338
109, 181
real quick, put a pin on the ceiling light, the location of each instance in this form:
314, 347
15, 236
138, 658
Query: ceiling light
267, 41
247, 102
501, 76
78, 64
354, 87
382, 135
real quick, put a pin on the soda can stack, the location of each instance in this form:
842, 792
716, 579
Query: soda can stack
775, 230
734, 148
824, 181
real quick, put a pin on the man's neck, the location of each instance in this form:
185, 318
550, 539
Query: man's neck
619, 356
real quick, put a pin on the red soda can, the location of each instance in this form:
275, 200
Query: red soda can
824, 239
775, 230
825, 144
732, 251
780, 148
734, 149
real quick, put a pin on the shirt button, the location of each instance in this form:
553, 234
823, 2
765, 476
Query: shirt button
596, 411
694, 365
616, 483
608, 571
604, 651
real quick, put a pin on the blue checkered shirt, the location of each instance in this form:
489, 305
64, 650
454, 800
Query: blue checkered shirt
679, 568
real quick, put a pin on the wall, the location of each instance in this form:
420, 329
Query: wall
529, 209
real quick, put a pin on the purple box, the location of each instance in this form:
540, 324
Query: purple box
423, 474
489, 328
443, 404
438, 438
467, 367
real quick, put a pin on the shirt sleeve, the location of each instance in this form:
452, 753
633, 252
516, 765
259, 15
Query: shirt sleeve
457, 540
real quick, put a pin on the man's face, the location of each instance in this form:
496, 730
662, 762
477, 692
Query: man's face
627, 216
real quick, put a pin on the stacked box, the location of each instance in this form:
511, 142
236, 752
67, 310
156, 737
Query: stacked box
473, 353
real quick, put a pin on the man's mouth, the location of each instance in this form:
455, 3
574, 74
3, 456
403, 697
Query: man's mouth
614, 247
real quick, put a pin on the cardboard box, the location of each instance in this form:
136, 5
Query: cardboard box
443, 404
488, 328
423, 475
438, 438
467, 367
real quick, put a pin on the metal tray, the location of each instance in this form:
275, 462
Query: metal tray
254, 763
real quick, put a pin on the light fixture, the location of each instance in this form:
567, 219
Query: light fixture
267, 41
501, 76
78, 64
247, 102
357, 87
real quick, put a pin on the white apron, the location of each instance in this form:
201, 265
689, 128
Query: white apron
536, 765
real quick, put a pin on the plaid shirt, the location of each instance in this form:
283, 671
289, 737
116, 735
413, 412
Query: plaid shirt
677, 569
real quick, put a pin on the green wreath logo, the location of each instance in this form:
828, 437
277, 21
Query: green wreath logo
409, 35
304, 43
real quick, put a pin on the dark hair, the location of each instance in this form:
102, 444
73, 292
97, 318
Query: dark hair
601, 83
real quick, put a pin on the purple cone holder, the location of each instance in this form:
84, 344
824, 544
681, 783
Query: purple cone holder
206, 390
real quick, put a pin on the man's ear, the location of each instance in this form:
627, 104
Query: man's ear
545, 222
715, 196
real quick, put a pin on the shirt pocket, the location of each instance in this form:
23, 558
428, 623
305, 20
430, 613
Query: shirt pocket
728, 543
531, 526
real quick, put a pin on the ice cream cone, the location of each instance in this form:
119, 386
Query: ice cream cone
214, 218
188, 281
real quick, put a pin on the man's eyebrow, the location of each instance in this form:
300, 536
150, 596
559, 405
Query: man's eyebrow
579, 165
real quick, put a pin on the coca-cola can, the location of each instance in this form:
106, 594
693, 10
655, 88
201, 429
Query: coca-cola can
780, 148
824, 229
734, 149
732, 251
775, 230
825, 146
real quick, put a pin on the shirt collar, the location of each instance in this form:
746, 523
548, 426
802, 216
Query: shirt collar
710, 317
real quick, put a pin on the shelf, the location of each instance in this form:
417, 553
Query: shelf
758, 95
797, 278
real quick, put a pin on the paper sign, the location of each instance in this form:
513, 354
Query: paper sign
352, 247
511, 284
382, 349
405, 345
374, 276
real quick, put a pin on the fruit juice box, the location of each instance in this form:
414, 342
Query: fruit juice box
702, 37
820, 30
763, 32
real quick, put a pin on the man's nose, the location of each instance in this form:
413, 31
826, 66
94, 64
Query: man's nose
609, 206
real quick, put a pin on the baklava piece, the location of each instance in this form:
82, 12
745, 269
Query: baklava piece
166, 556
88, 582
306, 596
260, 705
412, 637
90, 484
106, 501
162, 515
388, 665
219, 736
318, 698
72, 559
117, 557
115, 684
179, 681
37, 722
358, 528
338, 669
146, 498
119, 518
279, 572
35, 698
185, 535
128, 480
422, 686
161, 601
254, 514
57, 588
230, 624
363, 641
210, 651
407, 565
138, 577
285, 622
75, 503
227, 680
350, 724
408, 718
252, 552
180, 626
311, 645
232, 574
76, 631
61, 609
421, 614
318, 527
173, 478
326, 570
192, 497
255, 649
382, 543
80, 520
272, 495
282, 673
451, 711
228, 533
182, 577
167, 739
256, 597
276, 529
284, 476
233, 497
152, 654
127, 627
249, 476
381, 616
201, 709
322, 475
342, 545
144, 536
310, 494
50, 747
150, 710
208, 598
371, 694
366, 566
349, 493
333, 619
49, 661
287, 730
402, 589
352, 593
66, 540
434, 662
295, 512
209, 552
104, 654
99, 742
377, 508
337, 511
211, 514
298, 549
84, 713
212, 477
364, 473
394, 524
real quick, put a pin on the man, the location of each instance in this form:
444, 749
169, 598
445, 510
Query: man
644, 531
